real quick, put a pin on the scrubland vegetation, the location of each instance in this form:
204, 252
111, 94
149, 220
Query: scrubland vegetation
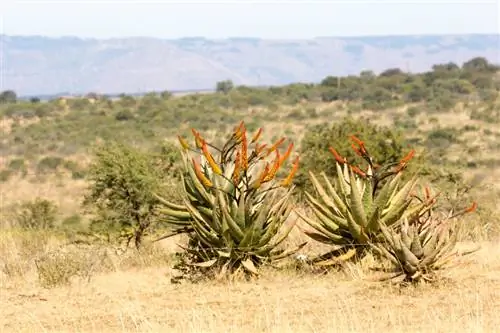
360, 204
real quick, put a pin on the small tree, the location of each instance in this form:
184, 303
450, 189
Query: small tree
123, 180
224, 86
8, 96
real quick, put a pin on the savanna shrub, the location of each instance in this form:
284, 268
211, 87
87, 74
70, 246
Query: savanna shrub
385, 146
122, 182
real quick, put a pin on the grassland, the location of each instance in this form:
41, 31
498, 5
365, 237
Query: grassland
45, 152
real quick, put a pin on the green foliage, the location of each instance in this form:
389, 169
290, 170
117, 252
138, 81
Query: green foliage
123, 180
385, 146
38, 214
49, 164
224, 86
8, 96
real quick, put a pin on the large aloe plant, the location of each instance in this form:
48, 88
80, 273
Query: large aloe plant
348, 212
234, 205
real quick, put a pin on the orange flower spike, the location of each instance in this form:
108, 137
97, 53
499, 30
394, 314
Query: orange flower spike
274, 169
203, 179
358, 171
260, 149
238, 131
183, 142
472, 208
261, 178
288, 180
360, 144
237, 166
408, 157
215, 167
275, 146
287, 153
197, 138
356, 149
256, 135
337, 156
244, 151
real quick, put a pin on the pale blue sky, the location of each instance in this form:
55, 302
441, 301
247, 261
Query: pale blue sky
244, 18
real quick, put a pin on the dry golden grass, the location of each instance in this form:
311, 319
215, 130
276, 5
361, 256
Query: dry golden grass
135, 295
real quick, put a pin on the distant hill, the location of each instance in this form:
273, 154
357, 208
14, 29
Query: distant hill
37, 65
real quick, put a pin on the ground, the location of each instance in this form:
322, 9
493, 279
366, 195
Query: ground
142, 299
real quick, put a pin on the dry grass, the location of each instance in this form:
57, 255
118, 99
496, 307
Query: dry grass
135, 295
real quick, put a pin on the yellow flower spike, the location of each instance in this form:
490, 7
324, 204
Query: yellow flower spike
238, 131
215, 167
275, 146
183, 142
244, 152
256, 135
287, 154
288, 180
203, 179
274, 169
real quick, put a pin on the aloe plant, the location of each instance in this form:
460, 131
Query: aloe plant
422, 245
348, 212
234, 205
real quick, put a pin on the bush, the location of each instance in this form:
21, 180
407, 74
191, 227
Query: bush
37, 214
386, 146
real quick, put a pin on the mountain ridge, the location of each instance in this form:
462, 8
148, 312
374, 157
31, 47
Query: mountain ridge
39, 65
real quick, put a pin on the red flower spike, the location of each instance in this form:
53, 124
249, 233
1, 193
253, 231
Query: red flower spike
337, 156
472, 208
360, 143
358, 171
356, 150
408, 157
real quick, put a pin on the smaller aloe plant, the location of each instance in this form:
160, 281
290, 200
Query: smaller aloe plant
234, 208
422, 245
349, 212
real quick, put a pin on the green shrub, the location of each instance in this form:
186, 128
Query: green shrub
122, 182
37, 214
385, 145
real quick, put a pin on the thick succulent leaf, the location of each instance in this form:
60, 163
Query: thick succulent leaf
321, 192
355, 229
205, 264
382, 198
335, 261
256, 230
288, 253
249, 266
368, 199
356, 207
400, 197
317, 206
341, 207
341, 181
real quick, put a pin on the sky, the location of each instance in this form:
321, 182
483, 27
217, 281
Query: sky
245, 18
